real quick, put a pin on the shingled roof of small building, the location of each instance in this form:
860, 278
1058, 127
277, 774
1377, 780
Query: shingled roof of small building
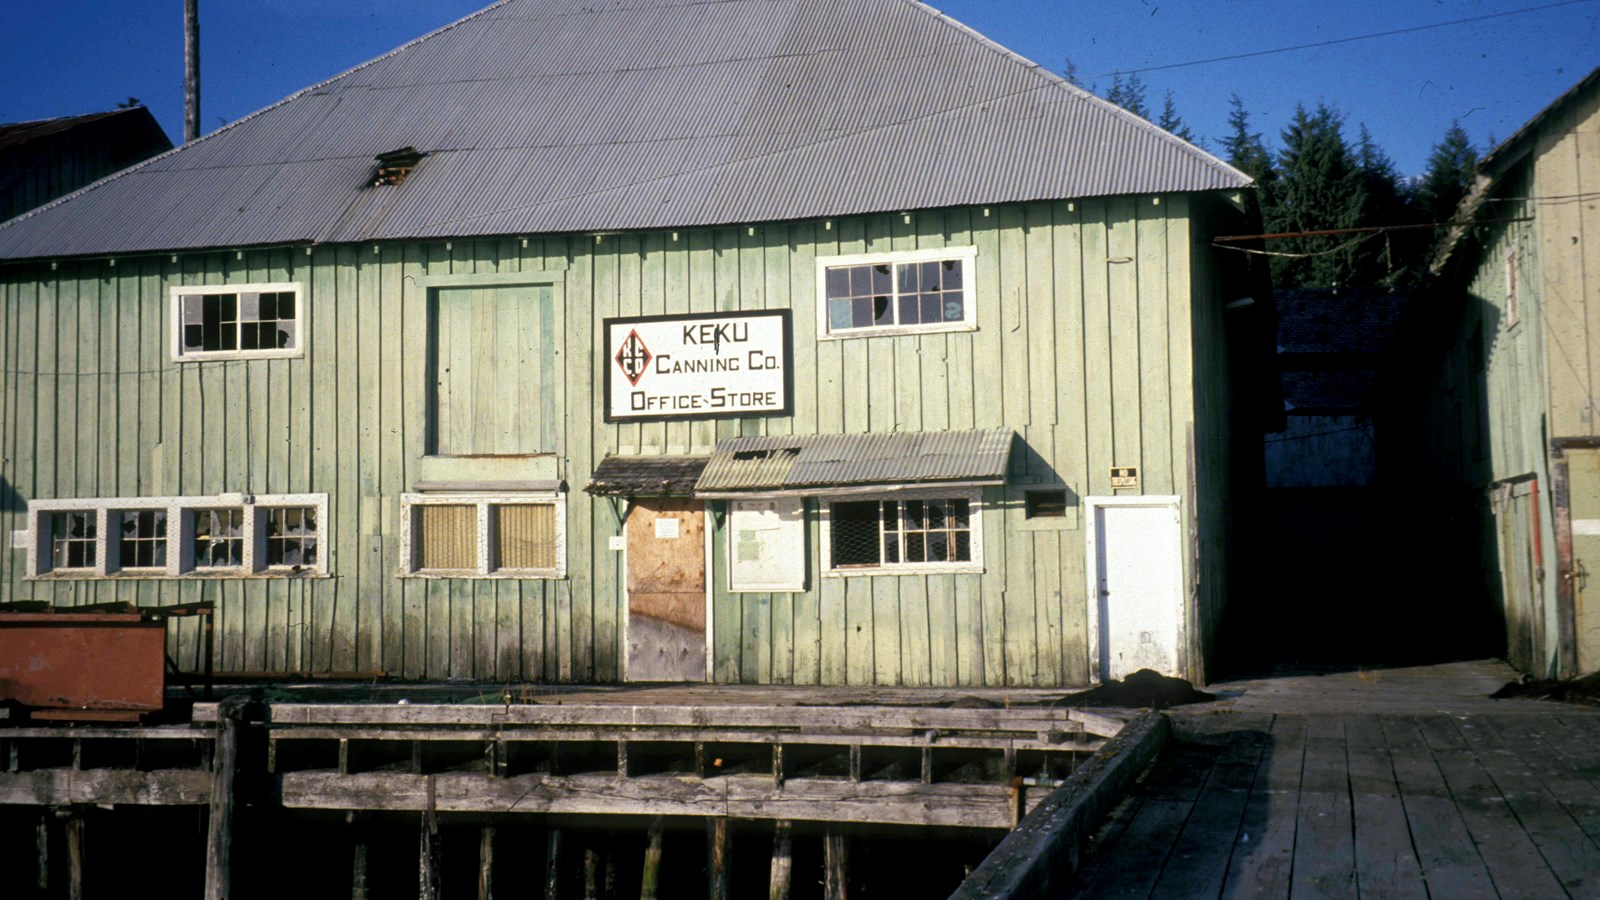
559, 116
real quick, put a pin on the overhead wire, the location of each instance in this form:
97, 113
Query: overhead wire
1345, 40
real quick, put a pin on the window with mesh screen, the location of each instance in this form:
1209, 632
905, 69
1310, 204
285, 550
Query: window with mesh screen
446, 536
524, 536
901, 532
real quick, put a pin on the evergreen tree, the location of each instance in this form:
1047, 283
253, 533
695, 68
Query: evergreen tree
1170, 121
1069, 71
1397, 257
1128, 93
1243, 148
1320, 187
1449, 175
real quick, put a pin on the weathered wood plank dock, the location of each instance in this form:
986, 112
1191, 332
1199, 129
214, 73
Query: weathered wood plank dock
1391, 783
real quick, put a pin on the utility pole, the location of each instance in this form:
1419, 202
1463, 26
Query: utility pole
191, 70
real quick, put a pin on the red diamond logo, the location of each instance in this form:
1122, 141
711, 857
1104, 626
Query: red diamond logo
633, 358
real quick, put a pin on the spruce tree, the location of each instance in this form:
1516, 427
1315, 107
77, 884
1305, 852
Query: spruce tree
1128, 93
1243, 148
1320, 187
1172, 122
1449, 175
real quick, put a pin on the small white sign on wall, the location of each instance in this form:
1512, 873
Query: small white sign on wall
767, 545
666, 529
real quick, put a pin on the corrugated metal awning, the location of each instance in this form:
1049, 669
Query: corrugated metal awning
819, 462
646, 476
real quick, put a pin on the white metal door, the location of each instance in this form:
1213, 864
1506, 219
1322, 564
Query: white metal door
1136, 582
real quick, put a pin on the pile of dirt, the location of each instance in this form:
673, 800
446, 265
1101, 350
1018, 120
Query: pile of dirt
1583, 691
1141, 690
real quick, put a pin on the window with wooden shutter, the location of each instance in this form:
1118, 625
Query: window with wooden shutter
446, 537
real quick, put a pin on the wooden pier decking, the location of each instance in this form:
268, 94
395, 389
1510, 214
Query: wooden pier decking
1391, 783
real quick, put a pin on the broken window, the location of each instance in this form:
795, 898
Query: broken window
291, 533
937, 532
248, 320
142, 538
508, 536
218, 538
234, 535
924, 290
72, 539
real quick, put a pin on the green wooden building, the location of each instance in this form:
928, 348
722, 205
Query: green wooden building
1497, 410
781, 342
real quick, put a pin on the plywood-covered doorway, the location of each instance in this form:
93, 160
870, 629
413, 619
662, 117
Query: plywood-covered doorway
666, 628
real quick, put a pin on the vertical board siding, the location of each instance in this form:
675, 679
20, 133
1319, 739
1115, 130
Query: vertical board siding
1082, 348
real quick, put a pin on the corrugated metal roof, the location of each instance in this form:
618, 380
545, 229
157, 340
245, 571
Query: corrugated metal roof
646, 476
841, 460
577, 115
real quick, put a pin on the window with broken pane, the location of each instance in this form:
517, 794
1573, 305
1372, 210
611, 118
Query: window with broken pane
291, 535
72, 539
141, 538
896, 292
218, 538
250, 320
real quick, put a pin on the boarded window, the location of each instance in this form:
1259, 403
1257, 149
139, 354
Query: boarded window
525, 536
493, 370
446, 536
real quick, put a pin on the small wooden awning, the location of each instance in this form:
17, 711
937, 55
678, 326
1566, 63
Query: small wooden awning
827, 463
646, 476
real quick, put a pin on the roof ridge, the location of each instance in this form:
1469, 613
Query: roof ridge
7, 223
1050, 75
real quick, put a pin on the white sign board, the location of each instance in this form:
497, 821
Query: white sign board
700, 366
767, 545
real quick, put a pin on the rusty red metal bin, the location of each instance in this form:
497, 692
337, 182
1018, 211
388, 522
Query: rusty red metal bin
105, 662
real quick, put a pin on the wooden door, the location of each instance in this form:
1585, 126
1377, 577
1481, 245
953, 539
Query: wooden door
1583, 495
667, 590
1137, 556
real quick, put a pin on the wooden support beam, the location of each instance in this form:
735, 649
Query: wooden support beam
41, 841
610, 880
718, 844
782, 861
927, 765
219, 825
486, 863
358, 857
855, 762
835, 863
624, 769
74, 828
428, 852
777, 766
649, 887
552, 865
591, 870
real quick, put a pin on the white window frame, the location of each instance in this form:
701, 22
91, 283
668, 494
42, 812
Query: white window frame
966, 255
975, 513
484, 502
302, 329
180, 536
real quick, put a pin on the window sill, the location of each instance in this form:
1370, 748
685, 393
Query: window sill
502, 575
908, 569
897, 331
150, 575
195, 356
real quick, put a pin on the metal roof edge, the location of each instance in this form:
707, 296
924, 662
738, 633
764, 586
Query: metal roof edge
1494, 165
1059, 82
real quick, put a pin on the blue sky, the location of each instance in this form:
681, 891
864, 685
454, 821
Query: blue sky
66, 57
